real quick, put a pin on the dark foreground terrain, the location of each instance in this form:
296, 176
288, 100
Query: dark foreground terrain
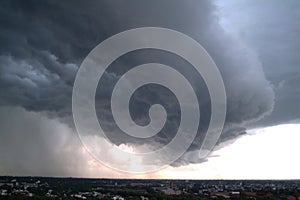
118, 189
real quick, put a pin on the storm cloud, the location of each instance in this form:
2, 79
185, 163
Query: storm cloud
44, 43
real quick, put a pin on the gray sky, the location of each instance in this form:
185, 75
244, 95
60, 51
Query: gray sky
255, 45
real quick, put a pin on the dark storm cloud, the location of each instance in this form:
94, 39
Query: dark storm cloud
272, 31
43, 43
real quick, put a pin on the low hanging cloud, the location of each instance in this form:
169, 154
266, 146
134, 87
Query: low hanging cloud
32, 144
43, 44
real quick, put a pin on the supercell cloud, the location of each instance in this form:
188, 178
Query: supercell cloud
44, 43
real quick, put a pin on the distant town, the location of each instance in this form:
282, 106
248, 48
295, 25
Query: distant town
136, 189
